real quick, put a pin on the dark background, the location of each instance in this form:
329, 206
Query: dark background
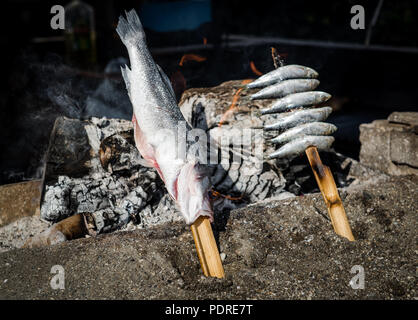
367, 83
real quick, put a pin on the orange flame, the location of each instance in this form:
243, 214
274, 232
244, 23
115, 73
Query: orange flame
232, 108
254, 69
205, 41
191, 57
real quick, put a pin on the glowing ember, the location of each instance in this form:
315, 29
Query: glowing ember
232, 108
217, 194
254, 69
191, 57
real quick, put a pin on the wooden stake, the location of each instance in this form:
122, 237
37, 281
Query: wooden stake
206, 247
330, 194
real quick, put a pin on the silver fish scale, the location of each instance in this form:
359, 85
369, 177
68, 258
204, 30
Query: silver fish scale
148, 87
302, 123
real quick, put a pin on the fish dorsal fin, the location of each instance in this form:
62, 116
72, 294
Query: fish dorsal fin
126, 74
166, 82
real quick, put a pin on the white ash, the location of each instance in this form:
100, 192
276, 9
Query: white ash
112, 200
165, 212
15, 234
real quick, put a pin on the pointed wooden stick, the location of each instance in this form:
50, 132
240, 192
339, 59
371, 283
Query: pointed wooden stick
207, 249
330, 194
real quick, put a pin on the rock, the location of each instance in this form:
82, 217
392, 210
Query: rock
407, 118
391, 145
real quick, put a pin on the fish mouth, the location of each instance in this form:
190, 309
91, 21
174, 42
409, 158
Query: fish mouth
194, 206
206, 211
191, 191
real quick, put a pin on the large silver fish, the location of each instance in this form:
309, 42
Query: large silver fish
157, 121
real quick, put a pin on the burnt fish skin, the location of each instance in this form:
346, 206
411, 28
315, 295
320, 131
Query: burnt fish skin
285, 88
295, 100
292, 71
157, 119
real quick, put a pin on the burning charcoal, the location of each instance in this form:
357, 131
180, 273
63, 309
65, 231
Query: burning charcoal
133, 203
107, 220
56, 202
114, 183
117, 153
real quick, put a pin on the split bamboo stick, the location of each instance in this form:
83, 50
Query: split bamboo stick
206, 248
330, 194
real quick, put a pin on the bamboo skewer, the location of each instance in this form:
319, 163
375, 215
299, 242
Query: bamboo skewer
206, 248
325, 180
330, 194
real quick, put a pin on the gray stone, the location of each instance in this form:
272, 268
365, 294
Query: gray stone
391, 145
407, 118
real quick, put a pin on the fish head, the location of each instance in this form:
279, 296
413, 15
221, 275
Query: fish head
193, 186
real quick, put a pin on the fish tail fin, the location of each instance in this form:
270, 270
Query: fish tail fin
130, 29
126, 77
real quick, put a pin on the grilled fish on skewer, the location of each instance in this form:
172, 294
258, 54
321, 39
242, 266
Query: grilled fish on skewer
307, 136
303, 128
157, 119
